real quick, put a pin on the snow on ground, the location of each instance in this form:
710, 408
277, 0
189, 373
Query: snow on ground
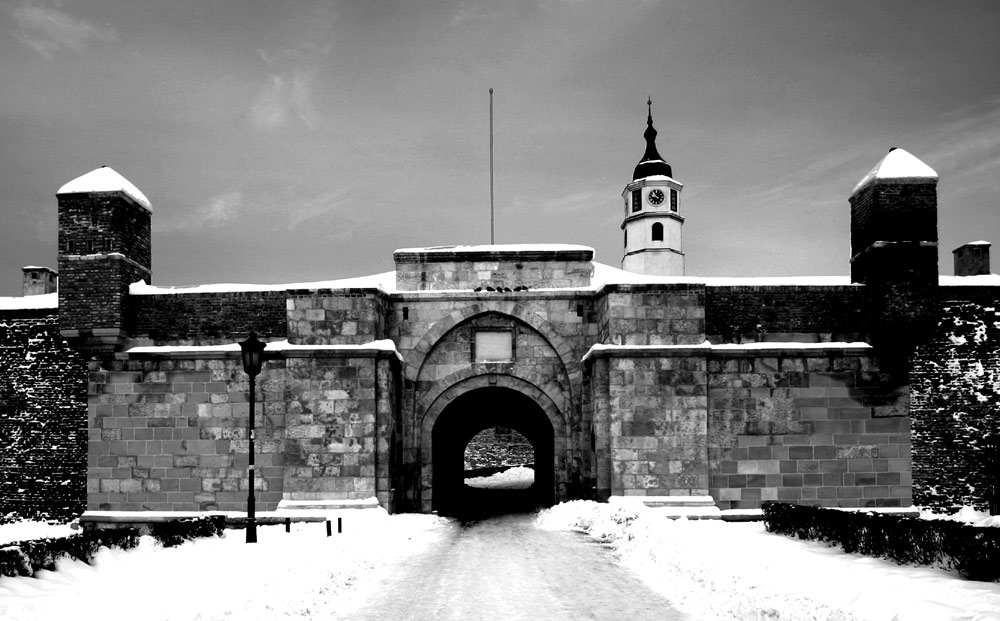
712, 569
299, 575
737, 570
518, 477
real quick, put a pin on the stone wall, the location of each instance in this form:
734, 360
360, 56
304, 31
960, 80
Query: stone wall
169, 434
824, 428
338, 317
654, 438
535, 360
169, 430
655, 315
955, 378
43, 400
466, 268
331, 427
207, 318
747, 314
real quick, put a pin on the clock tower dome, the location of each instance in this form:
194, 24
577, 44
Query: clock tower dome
652, 221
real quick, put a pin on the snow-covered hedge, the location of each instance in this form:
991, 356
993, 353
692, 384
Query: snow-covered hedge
24, 558
973, 551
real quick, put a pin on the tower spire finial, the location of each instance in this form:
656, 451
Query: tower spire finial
651, 163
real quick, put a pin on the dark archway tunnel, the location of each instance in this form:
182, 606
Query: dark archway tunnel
460, 421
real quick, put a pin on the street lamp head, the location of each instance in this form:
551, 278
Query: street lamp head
253, 354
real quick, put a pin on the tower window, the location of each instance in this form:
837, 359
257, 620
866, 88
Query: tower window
657, 231
626, 239
673, 199
636, 200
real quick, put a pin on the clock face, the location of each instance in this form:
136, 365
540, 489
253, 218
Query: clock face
656, 197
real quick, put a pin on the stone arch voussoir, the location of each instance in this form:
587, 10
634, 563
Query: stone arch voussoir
414, 359
557, 418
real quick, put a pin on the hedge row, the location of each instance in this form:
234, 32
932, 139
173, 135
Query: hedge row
24, 558
974, 552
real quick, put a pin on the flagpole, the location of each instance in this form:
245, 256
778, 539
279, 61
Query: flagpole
491, 167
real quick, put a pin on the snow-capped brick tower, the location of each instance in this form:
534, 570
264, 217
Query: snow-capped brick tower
104, 245
972, 259
894, 245
652, 223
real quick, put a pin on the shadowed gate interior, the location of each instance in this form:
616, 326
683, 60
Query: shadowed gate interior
465, 417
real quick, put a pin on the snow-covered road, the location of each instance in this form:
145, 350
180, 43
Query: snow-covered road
507, 568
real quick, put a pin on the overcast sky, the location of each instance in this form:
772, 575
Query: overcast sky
293, 141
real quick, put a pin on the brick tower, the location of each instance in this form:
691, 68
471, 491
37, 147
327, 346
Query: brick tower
894, 246
652, 223
104, 245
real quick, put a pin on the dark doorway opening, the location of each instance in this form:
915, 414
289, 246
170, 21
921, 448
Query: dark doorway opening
459, 423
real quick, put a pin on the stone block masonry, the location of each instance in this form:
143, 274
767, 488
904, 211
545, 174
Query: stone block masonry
331, 440
335, 317
656, 314
170, 435
826, 430
658, 437
168, 431
469, 267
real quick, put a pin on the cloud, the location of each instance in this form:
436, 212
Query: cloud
574, 202
219, 210
48, 30
286, 94
282, 98
968, 143
305, 209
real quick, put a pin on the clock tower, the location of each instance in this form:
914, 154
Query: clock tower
652, 221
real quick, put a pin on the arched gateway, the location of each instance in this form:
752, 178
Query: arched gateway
465, 417
480, 403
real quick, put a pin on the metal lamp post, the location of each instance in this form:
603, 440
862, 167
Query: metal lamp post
253, 358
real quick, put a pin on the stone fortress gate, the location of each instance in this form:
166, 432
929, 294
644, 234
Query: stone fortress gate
713, 393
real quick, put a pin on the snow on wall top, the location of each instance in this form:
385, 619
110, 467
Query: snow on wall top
603, 275
980, 280
497, 248
28, 302
608, 275
730, 347
385, 281
897, 164
385, 345
105, 179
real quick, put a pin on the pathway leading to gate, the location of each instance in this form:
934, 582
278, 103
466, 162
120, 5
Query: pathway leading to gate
506, 568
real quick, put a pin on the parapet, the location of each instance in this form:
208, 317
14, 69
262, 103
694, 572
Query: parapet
494, 267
